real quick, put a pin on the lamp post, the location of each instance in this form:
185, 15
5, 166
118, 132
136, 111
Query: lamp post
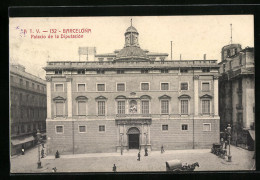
229, 138
39, 144
121, 141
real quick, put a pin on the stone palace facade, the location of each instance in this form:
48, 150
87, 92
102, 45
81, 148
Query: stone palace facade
131, 99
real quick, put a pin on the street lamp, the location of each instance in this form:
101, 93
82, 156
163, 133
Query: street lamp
39, 144
229, 138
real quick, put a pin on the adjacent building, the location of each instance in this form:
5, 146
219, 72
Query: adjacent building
237, 93
131, 99
27, 107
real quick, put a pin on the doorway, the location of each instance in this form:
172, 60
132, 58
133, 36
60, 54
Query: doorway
133, 138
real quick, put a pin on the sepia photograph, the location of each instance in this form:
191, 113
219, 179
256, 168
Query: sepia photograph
132, 94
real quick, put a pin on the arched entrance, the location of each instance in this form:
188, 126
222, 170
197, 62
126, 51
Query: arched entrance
133, 138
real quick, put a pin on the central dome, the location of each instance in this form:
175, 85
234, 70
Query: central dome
131, 29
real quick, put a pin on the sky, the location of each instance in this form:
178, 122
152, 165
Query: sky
191, 36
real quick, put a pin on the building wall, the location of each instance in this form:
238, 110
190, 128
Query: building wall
27, 106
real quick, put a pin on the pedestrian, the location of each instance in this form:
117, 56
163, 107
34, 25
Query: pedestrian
138, 156
114, 168
222, 143
146, 152
54, 169
42, 153
226, 143
162, 149
57, 155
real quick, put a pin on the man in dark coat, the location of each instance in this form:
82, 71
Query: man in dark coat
114, 168
162, 149
146, 152
138, 156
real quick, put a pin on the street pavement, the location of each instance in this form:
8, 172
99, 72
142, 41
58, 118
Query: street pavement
155, 161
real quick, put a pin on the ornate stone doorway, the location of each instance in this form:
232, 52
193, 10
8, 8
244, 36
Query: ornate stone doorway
133, 138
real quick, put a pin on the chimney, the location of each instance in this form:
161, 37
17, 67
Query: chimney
204, 57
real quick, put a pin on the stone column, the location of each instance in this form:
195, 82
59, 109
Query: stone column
215, 95
69, 96
142, 137
148, 126
48, 91
196, 95
124, 137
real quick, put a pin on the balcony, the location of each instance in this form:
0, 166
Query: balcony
239, 107
129, 64
133, 116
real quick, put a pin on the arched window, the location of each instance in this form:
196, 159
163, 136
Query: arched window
59, 106
165, 104
81, 105
184, 104
145, 104
206, 104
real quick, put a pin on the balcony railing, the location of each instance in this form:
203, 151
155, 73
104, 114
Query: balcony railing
113, 64
133, 115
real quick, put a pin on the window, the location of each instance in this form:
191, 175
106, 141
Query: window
101, 108
144, 71
81, 71
59, 129
184, 70
205, 70
184, 127
29, 128
165, 86
145, 107
21, 82
22, 129
82, 108
184, 86
164, 70
101, 87
205, 106
120, 71
101, 59
205, 86
81, 87
144, 86
120, 87
59, 87
59, 108
82, 129
58, 71
240, 59
206, 127
230, 65
38, 87
121, 107
102, 128
100, 72
165, 106
27, 84
184, 106
165, 127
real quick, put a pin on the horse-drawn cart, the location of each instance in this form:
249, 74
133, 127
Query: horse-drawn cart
177, 165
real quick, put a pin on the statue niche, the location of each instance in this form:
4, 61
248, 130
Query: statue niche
133, 106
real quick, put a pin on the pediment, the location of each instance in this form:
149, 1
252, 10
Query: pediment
59, 98
206, 96
81, 98
145, 97
165, 97
101, 98
184, 96
120, 97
